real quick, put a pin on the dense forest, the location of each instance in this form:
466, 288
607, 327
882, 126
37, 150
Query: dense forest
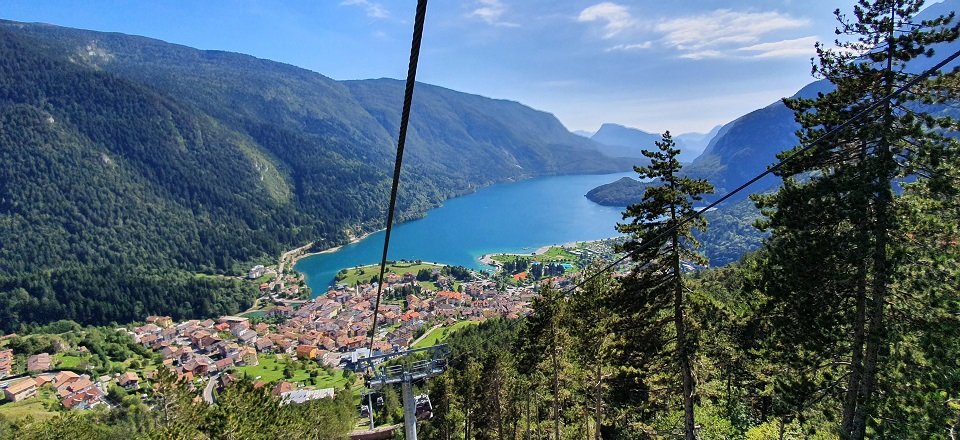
133, 165
843, 325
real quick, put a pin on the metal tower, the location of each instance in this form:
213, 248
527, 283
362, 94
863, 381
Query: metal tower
405, 374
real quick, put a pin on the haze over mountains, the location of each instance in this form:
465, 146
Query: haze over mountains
744, 148
741, 149
620, 141
738, 151
130, 164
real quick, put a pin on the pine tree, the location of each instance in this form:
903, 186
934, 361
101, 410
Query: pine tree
590, 344
177, 412
545, 343
655, 295
833, 263
446, 410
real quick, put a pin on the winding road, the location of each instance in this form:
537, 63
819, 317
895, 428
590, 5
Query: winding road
208, 390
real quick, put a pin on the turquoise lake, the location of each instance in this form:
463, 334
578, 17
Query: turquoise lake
511, 217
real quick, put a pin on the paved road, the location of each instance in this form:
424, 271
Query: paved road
279, 280
5, 382
283, 260
208, 390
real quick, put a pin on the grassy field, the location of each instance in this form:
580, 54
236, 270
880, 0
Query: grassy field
503, 258
265, 278
557, 254
67, 361
363, 274
552, 255
440, 334
35, 407
432, 287
270, 370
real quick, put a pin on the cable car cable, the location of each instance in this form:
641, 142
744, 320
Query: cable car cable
401, 142
796, 153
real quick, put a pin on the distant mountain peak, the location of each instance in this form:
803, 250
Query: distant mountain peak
583, 133
622, 141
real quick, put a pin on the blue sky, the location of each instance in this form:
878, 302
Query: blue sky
682, 65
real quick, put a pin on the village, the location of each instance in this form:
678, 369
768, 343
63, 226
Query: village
327, 334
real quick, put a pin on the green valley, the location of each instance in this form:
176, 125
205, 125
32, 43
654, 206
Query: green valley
132, 172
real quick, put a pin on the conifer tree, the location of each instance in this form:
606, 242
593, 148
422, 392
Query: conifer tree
654, 295
590, 344
446, 410
832, 262
544, 340
177, 412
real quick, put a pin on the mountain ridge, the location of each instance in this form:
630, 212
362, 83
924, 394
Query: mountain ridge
174, 161
622, 141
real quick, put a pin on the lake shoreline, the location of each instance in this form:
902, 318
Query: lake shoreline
518, 217
296, 258
489, 261
331, 250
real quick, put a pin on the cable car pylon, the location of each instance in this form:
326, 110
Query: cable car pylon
380, 376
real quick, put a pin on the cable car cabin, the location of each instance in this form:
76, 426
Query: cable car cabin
424, 407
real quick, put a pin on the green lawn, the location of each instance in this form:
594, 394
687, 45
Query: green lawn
36, 407
336, 380
270, 370
552, 255
363, 274
440, 334
266, 278
85, 361
557, 254
68, 361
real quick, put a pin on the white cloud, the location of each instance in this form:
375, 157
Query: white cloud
373, 9
617, 18
721, 29
784, 48
714, 34
491, 11
630, 47
702, 54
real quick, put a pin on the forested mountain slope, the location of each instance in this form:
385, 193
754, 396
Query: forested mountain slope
620, 141
745, 147
131, 164
103, 201
458, 130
